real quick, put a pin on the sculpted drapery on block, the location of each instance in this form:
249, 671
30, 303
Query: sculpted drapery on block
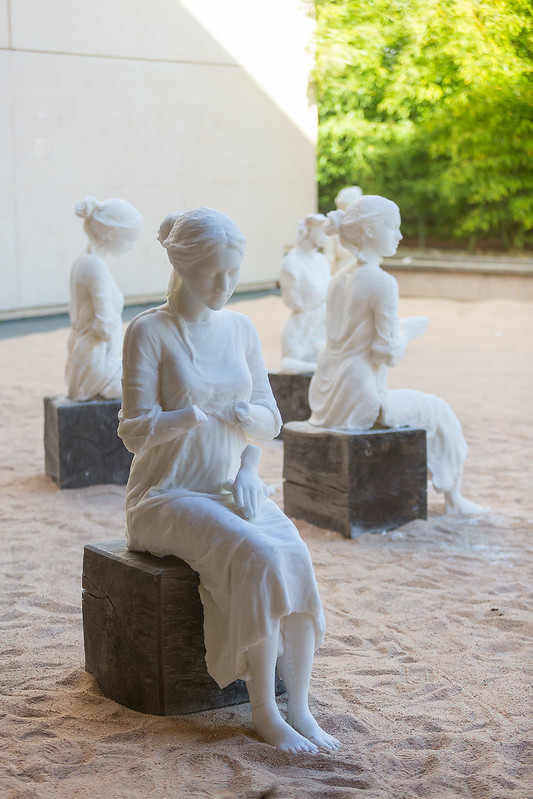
93, 364
365, 337
304, 280
195, 395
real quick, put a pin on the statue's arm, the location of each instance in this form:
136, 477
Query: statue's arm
97, 281
388, 345
260, 417
143, 423
249, 491
291, 290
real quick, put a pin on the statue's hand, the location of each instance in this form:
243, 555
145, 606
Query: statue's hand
99, 330
258, 421
415, 326
194, 416
249, 491
243, 413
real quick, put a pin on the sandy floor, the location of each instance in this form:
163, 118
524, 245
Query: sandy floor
424, 671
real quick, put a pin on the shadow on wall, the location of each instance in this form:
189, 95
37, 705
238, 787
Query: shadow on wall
149, 106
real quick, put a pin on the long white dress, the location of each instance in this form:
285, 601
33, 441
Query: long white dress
252, 574
349, 388
93, 362
304, 284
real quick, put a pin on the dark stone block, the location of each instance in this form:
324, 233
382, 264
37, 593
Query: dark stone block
143, 633
81, 444
354, 483
291, 393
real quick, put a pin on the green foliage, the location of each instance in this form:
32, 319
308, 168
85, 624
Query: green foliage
429, 102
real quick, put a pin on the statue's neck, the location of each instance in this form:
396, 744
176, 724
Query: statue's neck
96, 248
368, 257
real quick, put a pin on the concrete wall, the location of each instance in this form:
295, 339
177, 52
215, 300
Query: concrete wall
168, 104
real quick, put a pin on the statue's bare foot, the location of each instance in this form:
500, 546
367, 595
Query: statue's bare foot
275, 731
304, 722
456, 503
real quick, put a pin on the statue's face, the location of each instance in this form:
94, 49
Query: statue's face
387, 236
213, 280
318, 236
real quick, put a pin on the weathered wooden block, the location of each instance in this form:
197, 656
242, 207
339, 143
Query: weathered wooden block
291, 394
143, 633
81, 444
354, 483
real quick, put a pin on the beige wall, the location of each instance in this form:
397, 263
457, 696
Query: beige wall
168, 104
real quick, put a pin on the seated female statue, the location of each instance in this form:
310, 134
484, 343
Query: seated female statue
195, 394
304, 280
93, 364
365, 337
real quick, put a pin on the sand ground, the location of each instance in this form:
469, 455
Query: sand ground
425, 674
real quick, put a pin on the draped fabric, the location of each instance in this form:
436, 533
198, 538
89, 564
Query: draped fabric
348, 391
252, 574
93, 362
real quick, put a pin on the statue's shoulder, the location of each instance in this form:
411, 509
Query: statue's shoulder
292, 263
382, 278
89, 269
148, 322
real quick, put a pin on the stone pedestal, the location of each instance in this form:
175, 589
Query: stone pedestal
354, 483
291, 394
143, 633
81, 444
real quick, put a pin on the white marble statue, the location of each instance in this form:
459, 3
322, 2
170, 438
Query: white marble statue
304, 280
94, 364
365, 337
195, 394
337, 255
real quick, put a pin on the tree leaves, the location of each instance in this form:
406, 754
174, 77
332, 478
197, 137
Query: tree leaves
429, 102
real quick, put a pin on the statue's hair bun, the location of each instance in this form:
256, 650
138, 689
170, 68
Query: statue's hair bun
86, 207
334, 221
165, 228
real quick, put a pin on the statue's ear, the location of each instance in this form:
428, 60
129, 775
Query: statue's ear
370, 231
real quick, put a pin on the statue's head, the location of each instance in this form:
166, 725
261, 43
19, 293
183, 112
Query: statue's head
312, 229
347, 196
112, 224
370, 221
198, 243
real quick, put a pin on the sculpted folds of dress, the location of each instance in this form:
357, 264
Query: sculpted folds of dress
365, 336
304, 281
195, 395
251, 573
94, 365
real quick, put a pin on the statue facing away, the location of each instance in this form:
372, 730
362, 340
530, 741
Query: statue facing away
304, 281
94, 365
337, 255
365, 337
195, 395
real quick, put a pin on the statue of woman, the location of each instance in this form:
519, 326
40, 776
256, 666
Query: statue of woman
365, 337
304, 281
93, 364
195, 394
